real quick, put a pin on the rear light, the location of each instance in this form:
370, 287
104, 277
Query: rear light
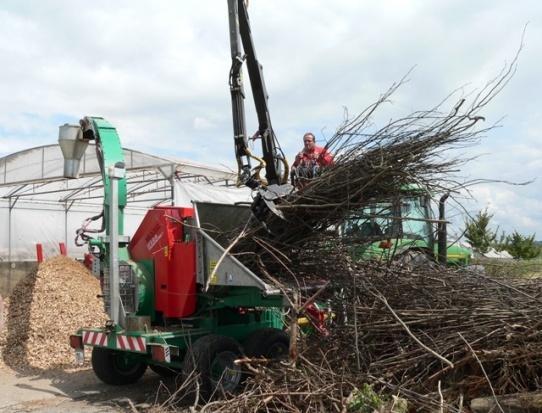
161, 353
76, 342
318, 317
385, 244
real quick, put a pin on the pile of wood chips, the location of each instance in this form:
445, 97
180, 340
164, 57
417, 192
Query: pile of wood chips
44, 309
3, 326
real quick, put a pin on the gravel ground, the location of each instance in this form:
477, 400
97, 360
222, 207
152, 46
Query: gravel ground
73, 391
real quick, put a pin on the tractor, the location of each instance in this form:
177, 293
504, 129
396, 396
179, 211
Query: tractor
402, 229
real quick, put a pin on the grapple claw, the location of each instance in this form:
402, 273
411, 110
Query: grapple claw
264, 207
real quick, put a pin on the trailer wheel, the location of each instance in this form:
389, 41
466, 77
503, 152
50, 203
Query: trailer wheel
413, 260
115, 367
164, 371
270, 343
212, 358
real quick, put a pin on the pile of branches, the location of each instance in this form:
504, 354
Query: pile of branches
283, 387
442, 333
431, 334
415, 327
435, 336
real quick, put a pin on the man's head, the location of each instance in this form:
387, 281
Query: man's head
308, 141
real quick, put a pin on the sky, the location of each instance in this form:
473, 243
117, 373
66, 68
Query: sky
158, 71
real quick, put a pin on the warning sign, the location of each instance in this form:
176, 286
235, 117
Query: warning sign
212, 273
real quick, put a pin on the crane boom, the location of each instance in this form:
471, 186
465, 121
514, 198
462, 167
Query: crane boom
274, 186
242, 50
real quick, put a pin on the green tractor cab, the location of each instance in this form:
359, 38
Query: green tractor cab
386, 230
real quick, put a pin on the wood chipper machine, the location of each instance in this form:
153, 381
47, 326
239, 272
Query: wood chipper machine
176, 299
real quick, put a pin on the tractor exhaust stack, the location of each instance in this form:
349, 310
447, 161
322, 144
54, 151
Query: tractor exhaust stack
442, 231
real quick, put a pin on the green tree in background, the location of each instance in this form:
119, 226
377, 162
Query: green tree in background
478, 233
501, 243
521, 246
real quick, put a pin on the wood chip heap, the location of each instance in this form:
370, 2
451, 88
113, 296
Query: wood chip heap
44, 309
3, 327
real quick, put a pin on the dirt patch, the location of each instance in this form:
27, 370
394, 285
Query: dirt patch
69, 391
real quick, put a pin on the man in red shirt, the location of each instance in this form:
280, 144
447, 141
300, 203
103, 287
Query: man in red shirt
308, 162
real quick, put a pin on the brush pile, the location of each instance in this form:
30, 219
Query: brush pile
282, 387
44, 309
434, 337
452, 323
437, 337
443, 334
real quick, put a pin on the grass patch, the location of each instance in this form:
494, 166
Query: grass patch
511, 268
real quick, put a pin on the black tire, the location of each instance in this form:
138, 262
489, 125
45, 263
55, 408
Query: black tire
211, 358
115, 367
270, 343
164, 371
413, 260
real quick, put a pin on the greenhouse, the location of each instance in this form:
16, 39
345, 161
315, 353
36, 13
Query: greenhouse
39, 207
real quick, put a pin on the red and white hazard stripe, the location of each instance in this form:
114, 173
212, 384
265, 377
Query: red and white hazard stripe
131, 343
94, 338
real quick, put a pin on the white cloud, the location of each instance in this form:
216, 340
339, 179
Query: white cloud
513, 208
201, 123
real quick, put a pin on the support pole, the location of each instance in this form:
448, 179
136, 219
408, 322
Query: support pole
115, 173
172, 183
10, 241
39, 253
66, 223
9, 248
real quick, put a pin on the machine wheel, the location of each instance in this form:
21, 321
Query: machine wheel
270, 343
212, 359
115, 367
164, 371
412, 260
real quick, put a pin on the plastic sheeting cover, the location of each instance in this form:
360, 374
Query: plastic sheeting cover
48, 224
185, 193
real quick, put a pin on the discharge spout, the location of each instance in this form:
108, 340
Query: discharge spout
73, 146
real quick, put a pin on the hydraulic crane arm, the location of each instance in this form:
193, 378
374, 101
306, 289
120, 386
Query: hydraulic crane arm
273, 160
274, 186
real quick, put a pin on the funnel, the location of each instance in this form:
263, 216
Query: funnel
70, 139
